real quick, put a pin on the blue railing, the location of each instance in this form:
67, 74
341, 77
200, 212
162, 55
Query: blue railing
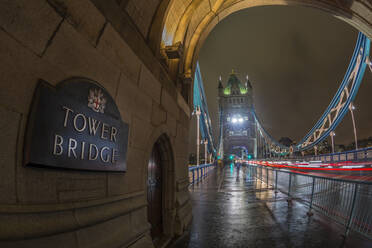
362, 154
197, 173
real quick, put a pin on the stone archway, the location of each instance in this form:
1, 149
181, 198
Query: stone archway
161, 156
186, 24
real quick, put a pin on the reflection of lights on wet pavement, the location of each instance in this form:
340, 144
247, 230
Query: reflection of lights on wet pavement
232, 168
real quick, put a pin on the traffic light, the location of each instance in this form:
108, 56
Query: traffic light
231, 157
249, 156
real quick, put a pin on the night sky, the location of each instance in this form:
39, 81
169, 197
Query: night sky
296, 58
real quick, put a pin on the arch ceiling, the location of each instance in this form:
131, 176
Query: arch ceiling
188, 22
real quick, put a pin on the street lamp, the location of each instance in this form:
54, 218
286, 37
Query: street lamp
236, 119
332, 134
369, 63
352, 108
197, 112
205, 151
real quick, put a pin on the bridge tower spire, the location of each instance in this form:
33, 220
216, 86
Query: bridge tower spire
238, 132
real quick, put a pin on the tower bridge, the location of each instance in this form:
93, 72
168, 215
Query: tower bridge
236, 112
97, 98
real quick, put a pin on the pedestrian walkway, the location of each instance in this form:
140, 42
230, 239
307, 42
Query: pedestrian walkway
231, 209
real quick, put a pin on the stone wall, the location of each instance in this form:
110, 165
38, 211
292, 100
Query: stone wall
55, 40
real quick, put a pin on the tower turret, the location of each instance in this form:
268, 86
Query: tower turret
237, 119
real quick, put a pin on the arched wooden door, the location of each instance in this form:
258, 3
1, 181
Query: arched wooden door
154, 193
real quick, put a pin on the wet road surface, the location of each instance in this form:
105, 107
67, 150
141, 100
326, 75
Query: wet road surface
231, 209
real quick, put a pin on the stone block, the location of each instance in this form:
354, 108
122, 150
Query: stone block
169, 104
56, 241
9, 124
136, 163
184, 120
139, 221
149, 84
32, 23
98, 213
115, 49
140, 133
20, 70
118, 184
181, 167
83, 15
182, 133
143, 106
74, 55
185, 108
172, 125
180, 148
142, 12
131, 99
111, 233
36, 185
126, 98
182, 197
158, 114
144, 242
80, 188
81, 195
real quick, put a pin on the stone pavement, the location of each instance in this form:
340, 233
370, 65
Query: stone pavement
231, 209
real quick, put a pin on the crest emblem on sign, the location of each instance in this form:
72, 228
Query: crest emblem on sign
96, 101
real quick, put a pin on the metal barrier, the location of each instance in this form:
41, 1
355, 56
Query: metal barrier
347, 202
197, 173
363, 154
360, 154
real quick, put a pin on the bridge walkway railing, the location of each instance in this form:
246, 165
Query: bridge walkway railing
347, 202
363, 154
197, 173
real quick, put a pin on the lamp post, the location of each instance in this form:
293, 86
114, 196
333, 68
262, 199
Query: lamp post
369, 63
332, 134
197, 112
352, 108
205, 151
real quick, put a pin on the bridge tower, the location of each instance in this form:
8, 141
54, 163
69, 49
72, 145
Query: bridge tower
238, 128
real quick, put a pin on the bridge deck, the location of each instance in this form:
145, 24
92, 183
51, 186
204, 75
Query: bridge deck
230, 209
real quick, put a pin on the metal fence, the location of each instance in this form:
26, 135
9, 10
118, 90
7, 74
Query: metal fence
360, 155
363, 154
347, 202
197, 173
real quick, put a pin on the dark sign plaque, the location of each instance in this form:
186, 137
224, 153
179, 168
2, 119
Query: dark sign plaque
75, 125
